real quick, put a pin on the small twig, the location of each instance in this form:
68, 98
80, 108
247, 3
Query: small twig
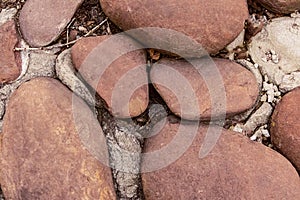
63, 45
68, 27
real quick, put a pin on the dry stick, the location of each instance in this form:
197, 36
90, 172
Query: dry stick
66, 44
68, 27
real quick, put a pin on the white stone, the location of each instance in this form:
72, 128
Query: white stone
258, 118
290, 82
279, 39
7, 14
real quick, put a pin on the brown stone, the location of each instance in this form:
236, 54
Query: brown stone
187, 94
285, 126
280, 6
42, 21
43, 149
9, 66
236, 168
213, 24
123, 83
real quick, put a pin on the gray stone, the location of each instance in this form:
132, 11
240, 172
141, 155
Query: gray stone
66, 73
258, 118
290, 82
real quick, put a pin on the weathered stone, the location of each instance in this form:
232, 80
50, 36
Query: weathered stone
280, 6
177, 81
44, 149
219, 25
10, 61
42, 21
121, 82
236, 168
285, 126
276, 49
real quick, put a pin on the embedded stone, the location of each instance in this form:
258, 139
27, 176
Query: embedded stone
213, 29
42, 21
209, 89
285, 127
52, 146
235, 168
121, 80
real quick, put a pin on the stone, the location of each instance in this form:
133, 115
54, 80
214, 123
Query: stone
7, 15
46, 154
279, 6
42, 21
121, 82
213, 29
279, 38
290, 82
236, 168
67, 75
258, 118
193, 96
285, 126
10, 62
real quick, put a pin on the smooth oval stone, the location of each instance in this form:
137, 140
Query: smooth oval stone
213, 24
123, 82
280, 6
189, 96
285, 126
10, 61
44, 150
236, 168
42, 21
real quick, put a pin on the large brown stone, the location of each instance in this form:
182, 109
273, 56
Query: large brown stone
123, 83
236, 168
9, 60
285, 126
42, 21
213, 24
281, 6
42, 151
193, 96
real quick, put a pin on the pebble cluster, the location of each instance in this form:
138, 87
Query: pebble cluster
78, 120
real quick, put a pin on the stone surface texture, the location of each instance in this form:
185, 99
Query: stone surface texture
10, 62
276, 49
208, 28
123, 83
42, 154
236, 168
42, 21
285, 126
175, 79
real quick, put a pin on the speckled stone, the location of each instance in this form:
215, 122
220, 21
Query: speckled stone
236, 168
42, 153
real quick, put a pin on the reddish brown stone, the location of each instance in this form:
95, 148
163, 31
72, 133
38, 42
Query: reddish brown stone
9, 68
42, 21
241, 88
213, 24
236, 168
280, 6
285, 127
129, 71
42, 151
